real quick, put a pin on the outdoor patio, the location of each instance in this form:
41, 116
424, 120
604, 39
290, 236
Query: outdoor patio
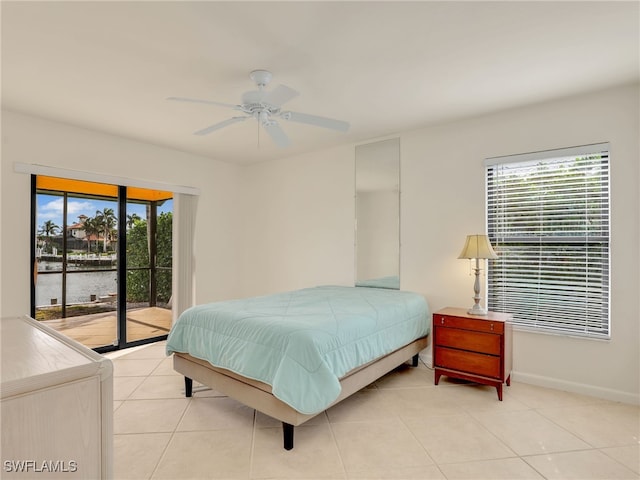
100, 329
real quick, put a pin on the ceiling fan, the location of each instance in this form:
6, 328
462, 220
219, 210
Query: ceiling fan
265, 107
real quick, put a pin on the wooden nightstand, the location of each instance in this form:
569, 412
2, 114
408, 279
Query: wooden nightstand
473, 347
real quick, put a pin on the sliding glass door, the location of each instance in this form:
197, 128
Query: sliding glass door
101, 259
148, 269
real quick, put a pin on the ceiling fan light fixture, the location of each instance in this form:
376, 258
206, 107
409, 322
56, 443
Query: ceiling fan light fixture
263, 118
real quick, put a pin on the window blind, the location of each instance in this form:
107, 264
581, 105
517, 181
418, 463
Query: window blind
548, 220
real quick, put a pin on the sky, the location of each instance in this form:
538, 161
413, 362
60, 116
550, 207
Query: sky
50, 208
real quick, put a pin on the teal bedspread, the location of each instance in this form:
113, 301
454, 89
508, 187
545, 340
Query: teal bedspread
301, 342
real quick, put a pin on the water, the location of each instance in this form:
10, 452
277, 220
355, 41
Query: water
80, 285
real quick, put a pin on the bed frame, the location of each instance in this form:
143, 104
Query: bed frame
258, 395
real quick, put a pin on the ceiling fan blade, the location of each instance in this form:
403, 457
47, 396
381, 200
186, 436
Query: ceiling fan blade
280, 95
277, 134
208, 102
316, 121
218, 126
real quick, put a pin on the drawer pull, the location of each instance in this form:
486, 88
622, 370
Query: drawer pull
441, 320
491, 327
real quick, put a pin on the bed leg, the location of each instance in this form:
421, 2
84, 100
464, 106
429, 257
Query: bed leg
287, 432
415, 359
188, 387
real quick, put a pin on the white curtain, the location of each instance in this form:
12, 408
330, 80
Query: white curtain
184, 224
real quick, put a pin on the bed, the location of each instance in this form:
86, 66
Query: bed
292, 355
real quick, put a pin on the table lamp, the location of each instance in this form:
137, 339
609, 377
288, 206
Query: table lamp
477, 247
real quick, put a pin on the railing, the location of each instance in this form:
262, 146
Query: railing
108, 296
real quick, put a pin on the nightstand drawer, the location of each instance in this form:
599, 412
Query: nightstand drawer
469, 324
468, 340
475, 363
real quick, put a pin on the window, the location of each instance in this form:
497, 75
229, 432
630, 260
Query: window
548, 220
102, 259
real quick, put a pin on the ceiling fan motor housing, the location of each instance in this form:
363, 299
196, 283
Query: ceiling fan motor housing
253, 97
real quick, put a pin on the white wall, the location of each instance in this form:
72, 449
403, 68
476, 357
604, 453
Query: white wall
443, 199
36, 141
299, 222
289, 223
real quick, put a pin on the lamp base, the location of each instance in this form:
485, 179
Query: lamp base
477, 310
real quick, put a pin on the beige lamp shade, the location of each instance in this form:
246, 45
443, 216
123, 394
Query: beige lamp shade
477, 246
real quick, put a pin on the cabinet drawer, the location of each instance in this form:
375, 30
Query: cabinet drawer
468, 340
475, 363
478, 325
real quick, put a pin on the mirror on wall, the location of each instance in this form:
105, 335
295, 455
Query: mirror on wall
378, 214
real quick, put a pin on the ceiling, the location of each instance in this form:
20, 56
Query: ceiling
385, 67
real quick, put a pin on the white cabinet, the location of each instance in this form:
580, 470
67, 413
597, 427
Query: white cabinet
57, 405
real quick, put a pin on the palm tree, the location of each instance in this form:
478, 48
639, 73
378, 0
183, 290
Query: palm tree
107, 221
48, 228
132, 219
91, 227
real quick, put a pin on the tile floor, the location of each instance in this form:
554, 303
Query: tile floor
401, 427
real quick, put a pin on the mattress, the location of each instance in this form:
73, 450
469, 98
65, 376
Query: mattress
301, 342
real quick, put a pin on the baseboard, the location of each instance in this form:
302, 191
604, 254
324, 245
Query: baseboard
581, 388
